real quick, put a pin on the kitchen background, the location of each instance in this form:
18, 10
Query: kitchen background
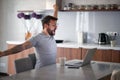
12, 29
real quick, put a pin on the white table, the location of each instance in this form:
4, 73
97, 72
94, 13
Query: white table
95, 71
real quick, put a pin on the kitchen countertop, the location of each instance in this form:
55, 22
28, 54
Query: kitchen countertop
85, 45
76, 45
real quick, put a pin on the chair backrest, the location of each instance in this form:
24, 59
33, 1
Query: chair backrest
115, 75
33, 59
23, 64
3, 74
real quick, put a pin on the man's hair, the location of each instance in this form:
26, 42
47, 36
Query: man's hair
47, 19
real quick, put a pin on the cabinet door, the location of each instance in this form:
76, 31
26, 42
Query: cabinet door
106, 55
116, 56
69, 53
103, 55
76, 53
60, 53
98, 55
84, 50
63, 52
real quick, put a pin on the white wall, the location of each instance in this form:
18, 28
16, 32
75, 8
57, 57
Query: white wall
66, 26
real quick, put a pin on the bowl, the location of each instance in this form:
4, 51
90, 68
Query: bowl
59, 41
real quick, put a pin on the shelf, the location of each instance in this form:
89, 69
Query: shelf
91, 10
25, 11
86, 5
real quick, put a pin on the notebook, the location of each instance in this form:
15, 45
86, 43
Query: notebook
87, 59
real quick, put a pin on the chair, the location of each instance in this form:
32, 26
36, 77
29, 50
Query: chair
23, 64
33, 59
3, 74
115, 75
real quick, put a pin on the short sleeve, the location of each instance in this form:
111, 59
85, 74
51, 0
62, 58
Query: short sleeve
33, 40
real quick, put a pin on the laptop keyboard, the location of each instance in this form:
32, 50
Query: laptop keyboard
78, 63
73, 63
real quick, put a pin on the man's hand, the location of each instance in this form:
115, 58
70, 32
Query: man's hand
55, 7
55, 10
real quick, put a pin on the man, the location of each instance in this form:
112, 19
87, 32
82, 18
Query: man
44, 42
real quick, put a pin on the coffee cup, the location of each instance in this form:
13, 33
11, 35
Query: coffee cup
62, 61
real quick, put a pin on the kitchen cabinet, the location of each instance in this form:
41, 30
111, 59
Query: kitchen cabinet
84, 50
69, 53
13, 57
75, 53
89, 5
60, 53
97, 56
116, 56
106, 55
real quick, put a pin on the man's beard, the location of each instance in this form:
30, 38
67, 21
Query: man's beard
51, 32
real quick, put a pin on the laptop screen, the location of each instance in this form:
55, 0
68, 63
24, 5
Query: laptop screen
89, 55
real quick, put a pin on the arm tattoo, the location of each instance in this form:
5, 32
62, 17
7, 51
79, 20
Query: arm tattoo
17, 49
14, 50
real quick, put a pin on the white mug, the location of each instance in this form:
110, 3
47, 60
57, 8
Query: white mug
112, 43
62, 61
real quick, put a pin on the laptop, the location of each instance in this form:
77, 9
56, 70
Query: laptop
87, 59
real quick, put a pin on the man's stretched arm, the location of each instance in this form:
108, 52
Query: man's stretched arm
16, 49
55, 10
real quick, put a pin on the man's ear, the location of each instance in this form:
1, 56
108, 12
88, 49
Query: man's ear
45, 25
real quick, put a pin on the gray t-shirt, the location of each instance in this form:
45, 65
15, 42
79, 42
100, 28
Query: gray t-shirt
46, 49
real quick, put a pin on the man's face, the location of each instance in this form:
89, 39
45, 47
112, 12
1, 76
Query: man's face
52, 27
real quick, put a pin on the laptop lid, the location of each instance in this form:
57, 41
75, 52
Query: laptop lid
88, 57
